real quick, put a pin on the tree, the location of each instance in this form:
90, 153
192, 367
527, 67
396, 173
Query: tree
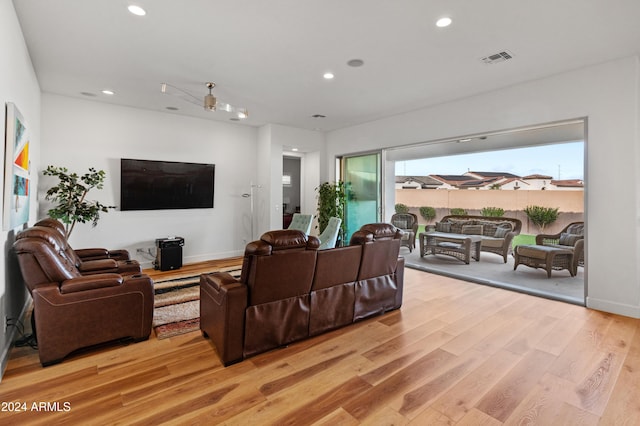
541, 216
428, 213
70, 194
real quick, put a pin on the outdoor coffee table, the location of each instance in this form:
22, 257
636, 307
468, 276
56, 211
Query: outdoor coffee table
461, 246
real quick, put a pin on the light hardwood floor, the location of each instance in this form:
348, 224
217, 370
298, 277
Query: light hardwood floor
455, 354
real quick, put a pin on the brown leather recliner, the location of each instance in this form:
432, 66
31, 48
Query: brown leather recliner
288, 290
92, 260
73, 311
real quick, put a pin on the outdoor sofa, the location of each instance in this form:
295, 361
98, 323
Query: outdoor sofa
496, 232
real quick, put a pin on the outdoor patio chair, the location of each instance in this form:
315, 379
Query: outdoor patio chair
408, 223
571, 237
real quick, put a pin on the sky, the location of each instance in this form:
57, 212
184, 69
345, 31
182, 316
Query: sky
560, 161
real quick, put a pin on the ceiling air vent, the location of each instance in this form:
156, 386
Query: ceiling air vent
497, 57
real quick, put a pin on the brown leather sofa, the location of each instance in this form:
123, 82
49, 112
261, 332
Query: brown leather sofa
72, 310
289, 290
92, 260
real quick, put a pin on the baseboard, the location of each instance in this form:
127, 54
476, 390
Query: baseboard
613, 307
10, 339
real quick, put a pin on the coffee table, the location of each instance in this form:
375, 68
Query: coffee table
461, 246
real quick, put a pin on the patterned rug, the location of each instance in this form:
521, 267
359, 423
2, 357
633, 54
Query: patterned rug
177, 304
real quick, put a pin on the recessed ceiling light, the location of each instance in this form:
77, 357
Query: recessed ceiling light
318, 116
443, 22
355, 63
137, 10
328, 75
294, 149
108, 92
170, 108
88, 94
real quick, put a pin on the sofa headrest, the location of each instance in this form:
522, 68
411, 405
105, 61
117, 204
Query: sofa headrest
43, 233
382, 231
360, 237
52, 223
375, 232
283, 239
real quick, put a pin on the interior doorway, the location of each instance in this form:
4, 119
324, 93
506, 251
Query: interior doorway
291, 188
537, 136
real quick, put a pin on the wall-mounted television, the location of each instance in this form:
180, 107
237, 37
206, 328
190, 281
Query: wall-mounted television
159, 185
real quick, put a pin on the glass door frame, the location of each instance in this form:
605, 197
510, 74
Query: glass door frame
381, 175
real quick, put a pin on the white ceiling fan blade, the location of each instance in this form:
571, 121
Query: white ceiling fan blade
172, 90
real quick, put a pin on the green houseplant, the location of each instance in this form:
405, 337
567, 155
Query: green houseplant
70, 195
331, 203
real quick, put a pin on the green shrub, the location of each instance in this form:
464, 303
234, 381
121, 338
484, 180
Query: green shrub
492, 212
541, 216
402, 208
458, 211
428, 213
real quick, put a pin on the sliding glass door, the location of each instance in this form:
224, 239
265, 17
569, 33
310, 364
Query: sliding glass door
362, 177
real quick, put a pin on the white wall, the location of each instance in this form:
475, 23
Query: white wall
79, 134
18, 84
608, 95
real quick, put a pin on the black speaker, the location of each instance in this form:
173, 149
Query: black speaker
169, 253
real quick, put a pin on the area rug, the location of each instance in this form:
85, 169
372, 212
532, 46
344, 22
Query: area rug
177, 304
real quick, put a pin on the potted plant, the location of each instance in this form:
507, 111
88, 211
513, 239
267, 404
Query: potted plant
70, 195
331, 203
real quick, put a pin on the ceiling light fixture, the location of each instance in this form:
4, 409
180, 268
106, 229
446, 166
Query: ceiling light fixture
137, 10
328, 75
108, 92
443, 22
210, 100
210, 103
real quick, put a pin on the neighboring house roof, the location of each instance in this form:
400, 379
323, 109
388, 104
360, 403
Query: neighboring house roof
537, 177
574, 183
478, 183
424, 181
484, 175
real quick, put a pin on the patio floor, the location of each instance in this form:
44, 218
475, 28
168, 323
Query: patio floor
491, 270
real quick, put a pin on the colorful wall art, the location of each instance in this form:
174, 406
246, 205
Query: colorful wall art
16, 170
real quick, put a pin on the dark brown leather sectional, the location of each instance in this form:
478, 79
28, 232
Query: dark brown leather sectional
79, 303
289, 290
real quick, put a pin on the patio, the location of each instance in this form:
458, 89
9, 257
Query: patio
491, 270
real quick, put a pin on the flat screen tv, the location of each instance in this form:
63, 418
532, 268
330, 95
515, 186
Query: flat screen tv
159, 185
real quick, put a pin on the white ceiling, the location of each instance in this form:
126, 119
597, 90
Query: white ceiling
269, 55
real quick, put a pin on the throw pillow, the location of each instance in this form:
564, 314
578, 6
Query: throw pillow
501, 232
472, 229
443, 227
569, 239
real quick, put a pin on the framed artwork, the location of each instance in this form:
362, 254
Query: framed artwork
16, 170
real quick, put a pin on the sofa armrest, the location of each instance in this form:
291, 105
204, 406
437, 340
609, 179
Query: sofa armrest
97, 265
542, 239
223, 301
92, 253
90, 282
86, 254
